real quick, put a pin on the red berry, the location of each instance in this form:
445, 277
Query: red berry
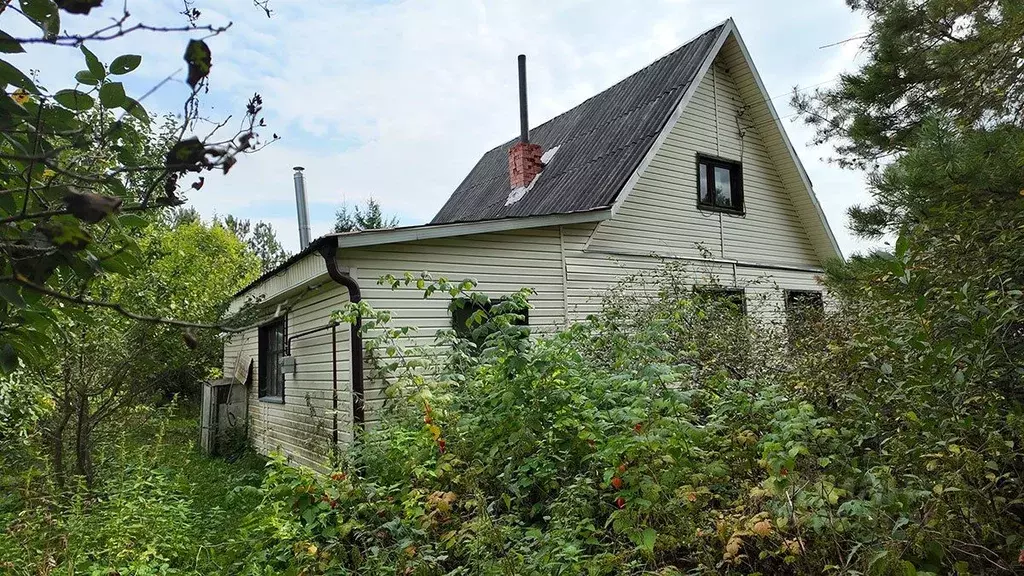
638, 428
622, 468
617, 483
620, 502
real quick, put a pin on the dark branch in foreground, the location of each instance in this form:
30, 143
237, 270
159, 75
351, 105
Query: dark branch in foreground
83, 301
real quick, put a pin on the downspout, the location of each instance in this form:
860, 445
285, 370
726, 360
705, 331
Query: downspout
330, 252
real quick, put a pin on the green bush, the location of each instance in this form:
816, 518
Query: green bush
638, 443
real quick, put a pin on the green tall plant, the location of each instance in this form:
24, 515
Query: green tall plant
370, 217
80, 172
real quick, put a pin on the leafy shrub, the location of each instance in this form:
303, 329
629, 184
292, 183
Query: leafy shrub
635, 443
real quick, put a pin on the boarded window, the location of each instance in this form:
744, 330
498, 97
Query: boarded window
272, 347
719, 184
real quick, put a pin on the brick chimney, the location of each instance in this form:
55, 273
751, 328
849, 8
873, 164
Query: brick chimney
524, 162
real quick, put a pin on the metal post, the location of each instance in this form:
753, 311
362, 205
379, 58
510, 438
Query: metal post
524, 120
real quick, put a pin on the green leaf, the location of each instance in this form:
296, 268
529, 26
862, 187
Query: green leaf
133, 221
74, 100
86, 77
125, 64
9, 74
647, 539
112, 95
10, 294
8, 44
94, 64
79, 6
44, 14
199, 59
134, 108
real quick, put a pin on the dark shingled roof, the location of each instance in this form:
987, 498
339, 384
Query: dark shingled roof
600, 144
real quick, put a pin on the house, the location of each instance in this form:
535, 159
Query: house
684, 160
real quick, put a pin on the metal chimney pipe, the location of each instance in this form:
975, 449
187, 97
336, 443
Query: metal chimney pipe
301, 208
524, 120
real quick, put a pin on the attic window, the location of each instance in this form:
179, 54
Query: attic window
719, 184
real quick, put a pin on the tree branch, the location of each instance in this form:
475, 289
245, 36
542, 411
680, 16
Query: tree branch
116, 307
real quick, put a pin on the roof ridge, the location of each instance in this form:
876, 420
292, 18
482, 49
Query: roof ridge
622, 80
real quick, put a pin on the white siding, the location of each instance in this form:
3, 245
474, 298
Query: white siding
302, 427
500, 263
661, 215
660, 221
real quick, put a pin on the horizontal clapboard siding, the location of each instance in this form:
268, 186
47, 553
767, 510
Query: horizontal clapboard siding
500, 263
302, 427
661, 216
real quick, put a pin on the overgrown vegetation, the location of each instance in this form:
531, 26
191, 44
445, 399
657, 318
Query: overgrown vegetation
159, 506
670, 434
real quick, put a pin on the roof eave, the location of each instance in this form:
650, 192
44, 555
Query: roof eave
367, 238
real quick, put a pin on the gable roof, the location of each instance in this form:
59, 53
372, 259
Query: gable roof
600, 144
612, 138
605, 143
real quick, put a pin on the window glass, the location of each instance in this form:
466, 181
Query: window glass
728, 299
804, 303
719, 184
723, 187
271, 348
702, 173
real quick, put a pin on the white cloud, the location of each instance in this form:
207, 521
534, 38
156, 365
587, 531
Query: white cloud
397, 100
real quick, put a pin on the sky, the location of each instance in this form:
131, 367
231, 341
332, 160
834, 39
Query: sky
397, 100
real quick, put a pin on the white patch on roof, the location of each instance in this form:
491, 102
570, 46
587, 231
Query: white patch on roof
547, 156
517, 193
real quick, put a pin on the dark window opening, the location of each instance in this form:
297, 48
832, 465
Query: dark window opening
732, 298
804, 304
470, 325
272, 342
719, 184
804, 309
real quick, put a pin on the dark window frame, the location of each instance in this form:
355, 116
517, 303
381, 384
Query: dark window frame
461, 314
727, 291
265, 392
735, 184
817, 295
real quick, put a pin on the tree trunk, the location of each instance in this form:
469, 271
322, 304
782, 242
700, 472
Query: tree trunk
83, 437
56, 440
